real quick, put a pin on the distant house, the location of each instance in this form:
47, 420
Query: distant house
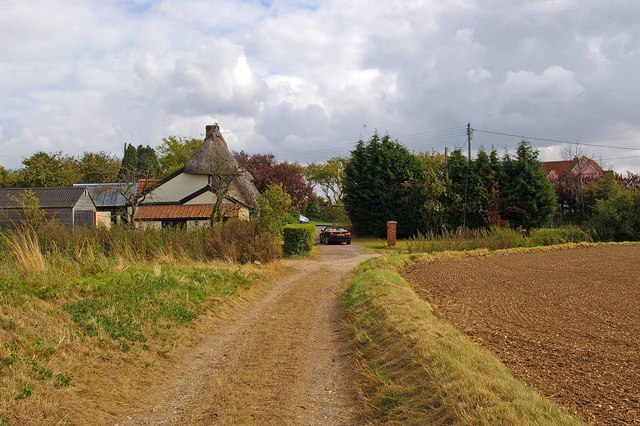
71, 206
583, 167
186, 197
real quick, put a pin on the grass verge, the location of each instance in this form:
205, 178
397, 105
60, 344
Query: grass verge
418, 369
77, 333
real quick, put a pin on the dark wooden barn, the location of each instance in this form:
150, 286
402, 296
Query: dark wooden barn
71, 206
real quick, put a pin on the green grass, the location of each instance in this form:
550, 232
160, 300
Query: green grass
81, 313
415, 368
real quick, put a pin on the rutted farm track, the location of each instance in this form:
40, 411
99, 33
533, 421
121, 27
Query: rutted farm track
565, 321
281, 358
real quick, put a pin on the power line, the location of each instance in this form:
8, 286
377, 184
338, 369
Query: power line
416, 138
620, 158
556, 140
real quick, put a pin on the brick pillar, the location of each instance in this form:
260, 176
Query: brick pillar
391, 233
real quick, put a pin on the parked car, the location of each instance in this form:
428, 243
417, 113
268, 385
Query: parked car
333, 234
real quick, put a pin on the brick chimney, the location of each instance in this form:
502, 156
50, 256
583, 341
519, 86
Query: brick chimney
211, 129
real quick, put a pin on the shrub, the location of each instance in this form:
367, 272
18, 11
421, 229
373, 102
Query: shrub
298, 239
617, 218
550, 236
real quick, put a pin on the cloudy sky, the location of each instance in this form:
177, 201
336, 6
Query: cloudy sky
305, 79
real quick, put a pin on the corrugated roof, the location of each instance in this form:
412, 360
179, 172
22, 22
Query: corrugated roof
49, 198
108, 194
184, 211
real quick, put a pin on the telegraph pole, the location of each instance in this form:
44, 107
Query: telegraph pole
466, 178
469, 141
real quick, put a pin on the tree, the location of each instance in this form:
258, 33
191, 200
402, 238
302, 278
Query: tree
127, 188
175, 151
274, 205
435, 187
99, 167
328, 177
147, 163
8, 178
291, 177
377, 173
260, 166
32, 215
457, 189
601, 189
48, 170
267, 171
129, 162
617, 217
529, 195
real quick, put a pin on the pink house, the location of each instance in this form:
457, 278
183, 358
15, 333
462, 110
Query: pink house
583, 166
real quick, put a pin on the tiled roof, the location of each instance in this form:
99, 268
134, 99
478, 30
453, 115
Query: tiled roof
184, 211
144, 184
49, 198
560, 167
564, 167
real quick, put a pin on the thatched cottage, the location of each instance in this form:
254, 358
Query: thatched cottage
187, 197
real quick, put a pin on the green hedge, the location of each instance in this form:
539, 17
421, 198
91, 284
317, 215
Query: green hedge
298, 239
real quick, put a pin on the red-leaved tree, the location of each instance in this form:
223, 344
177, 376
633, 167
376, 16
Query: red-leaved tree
266, 170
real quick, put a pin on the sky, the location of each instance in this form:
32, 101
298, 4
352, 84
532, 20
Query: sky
305, 79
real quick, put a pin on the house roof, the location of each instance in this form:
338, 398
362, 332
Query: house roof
565, 167
214, 153
49, 198
146, 184
187, 211
108, 194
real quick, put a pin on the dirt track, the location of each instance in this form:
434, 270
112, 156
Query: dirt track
281, 358
566, 322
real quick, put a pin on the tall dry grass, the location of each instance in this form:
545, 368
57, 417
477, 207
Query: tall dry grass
24, 246
233, 241
494, 239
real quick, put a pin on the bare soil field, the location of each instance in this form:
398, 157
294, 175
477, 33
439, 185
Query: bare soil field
564, 321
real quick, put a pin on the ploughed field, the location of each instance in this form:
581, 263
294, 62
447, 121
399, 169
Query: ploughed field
564, 321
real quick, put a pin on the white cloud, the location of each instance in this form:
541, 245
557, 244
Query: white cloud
92, 75
555, 84
478, 74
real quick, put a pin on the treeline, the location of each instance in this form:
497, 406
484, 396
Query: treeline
58, 169
430, 193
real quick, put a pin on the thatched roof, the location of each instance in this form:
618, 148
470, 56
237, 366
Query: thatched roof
214, 154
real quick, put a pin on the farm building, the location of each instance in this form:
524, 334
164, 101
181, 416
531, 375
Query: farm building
110, 200
187, 197
71, 206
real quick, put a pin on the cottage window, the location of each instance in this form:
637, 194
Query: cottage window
182, 224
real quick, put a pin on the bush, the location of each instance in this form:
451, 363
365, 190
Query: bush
550, 236
298, 239
617, 218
